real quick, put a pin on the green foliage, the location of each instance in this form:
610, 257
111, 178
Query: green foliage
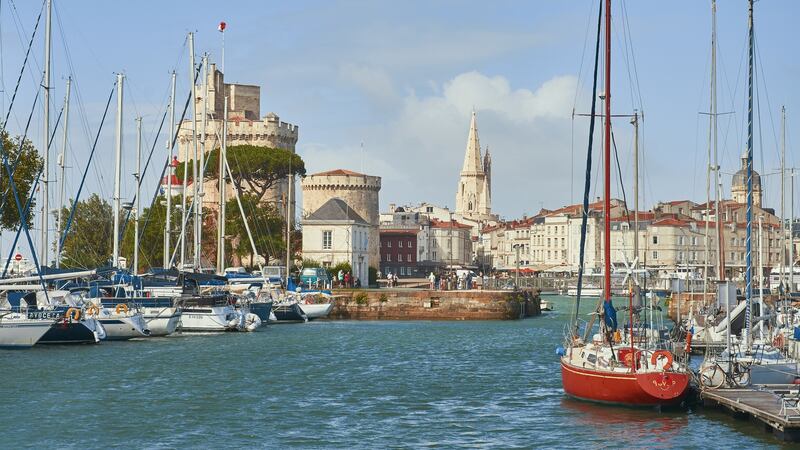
372, 274
259, 167
28, 166
266, 226
360, 298
188, 167
89, 241
153, 222
310, 263
383, 298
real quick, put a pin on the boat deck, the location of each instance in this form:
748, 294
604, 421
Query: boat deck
777, 407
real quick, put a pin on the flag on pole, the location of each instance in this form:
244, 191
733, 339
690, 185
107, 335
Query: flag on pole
221, 27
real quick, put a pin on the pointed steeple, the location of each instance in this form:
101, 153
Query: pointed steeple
472, 158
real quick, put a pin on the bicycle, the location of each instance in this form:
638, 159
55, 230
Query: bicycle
715, 376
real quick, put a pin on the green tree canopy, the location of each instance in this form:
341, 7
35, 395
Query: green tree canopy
266, 225
259, 167
89, 241
28, 167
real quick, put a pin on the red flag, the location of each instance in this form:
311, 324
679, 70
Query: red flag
221, 27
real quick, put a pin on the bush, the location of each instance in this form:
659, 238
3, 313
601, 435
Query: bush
384, 298
360, 298
309, 263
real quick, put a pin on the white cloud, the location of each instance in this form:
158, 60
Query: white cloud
419, 151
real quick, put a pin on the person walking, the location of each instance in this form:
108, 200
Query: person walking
432, 279
347, 279
340, 277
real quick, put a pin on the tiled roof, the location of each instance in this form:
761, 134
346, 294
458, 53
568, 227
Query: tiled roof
336, 209
339, 172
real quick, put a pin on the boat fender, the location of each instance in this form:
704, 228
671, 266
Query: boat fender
688, 342
617, 337
74, 314
659, 354
778, 341
252, 322
121, 307
560, 351
92, 310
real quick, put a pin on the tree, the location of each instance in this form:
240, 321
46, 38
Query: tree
152, 224
266, 226
29, 163
259, 167
89, 241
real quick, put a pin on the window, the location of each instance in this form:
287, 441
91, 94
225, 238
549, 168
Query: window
409, 259
400, 244
680, 240
409, 244
733, 256
434, 255
327, 240
694, 240
655, 241
680, 256
655, 254
389, 244
388, 257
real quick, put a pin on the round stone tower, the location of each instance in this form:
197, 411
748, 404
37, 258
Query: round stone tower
359, 191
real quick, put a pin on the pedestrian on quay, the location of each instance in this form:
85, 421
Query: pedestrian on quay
389, 279
432, 279
340, 277
347, 279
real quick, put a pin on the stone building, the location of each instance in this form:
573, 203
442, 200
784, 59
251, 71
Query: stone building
358, 191
474, 191
335, 233
245, 126
739, 185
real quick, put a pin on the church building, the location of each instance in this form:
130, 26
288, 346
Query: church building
474, 194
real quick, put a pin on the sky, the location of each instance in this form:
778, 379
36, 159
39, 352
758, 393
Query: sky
387, 88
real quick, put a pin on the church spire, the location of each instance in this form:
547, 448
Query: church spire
472, 158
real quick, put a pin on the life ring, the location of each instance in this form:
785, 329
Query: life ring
778, 341
665, 354
74, 314
92, 310
121, 307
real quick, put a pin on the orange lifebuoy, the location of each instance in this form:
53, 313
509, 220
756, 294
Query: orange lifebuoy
778, 341
121, 307
74, 314
665, 354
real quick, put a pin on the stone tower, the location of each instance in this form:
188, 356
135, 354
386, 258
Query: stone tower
244, 127
473, 197
359, 191
739, 185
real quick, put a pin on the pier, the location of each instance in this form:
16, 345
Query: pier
777, 407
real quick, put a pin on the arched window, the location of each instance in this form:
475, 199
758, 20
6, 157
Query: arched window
469, 206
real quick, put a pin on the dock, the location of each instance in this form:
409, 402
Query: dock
777, 407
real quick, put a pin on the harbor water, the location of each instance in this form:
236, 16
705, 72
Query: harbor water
333, 385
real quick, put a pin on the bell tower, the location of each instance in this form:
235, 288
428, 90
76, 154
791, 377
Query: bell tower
473, 194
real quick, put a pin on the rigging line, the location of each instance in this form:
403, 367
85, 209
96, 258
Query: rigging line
83, 178
760, 65
583, 55
167, 162
587, 185
22, 69
621, 184
622, 44
19, 151
626, 26
141, 177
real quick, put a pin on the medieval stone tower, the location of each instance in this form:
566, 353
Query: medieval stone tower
359, 191
474, 194
739, 185
244, 127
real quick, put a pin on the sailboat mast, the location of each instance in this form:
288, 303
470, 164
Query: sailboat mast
783, 197
198, 204
222, 192
748, 238
289, 226
186, 153
607, 160
46, 138
717, 184
635, 121
117, 171
62, 164
170, 136
138, 177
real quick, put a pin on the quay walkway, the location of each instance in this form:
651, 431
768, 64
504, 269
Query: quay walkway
777, 407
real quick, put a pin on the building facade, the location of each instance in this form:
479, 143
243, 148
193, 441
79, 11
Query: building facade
335, 233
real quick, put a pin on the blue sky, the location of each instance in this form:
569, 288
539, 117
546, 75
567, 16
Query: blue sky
402, 77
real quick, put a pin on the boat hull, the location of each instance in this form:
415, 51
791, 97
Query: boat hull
69, 333
161, 321
262, 310
632, 389
290, 312
316, 310
22, 333
205, 319
121, 327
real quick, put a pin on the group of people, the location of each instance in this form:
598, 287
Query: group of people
391, 280
347, 281
451, 281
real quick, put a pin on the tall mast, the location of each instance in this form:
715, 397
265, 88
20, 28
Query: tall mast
43, 251
198, 204
635, 122
289, 226
607, 161
748, 238
170, 136
138, 176
117, 171
783, 197
186, 153
62, 164
791, 232
760, 274
222, 192
717, 181
709, 168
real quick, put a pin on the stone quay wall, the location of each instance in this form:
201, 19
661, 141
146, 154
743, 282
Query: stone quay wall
423, 304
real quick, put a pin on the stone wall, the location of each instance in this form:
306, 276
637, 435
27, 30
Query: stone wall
407, 304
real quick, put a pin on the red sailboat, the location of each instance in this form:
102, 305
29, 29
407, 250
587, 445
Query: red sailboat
615, 367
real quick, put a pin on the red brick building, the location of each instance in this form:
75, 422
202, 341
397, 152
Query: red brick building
398, 249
